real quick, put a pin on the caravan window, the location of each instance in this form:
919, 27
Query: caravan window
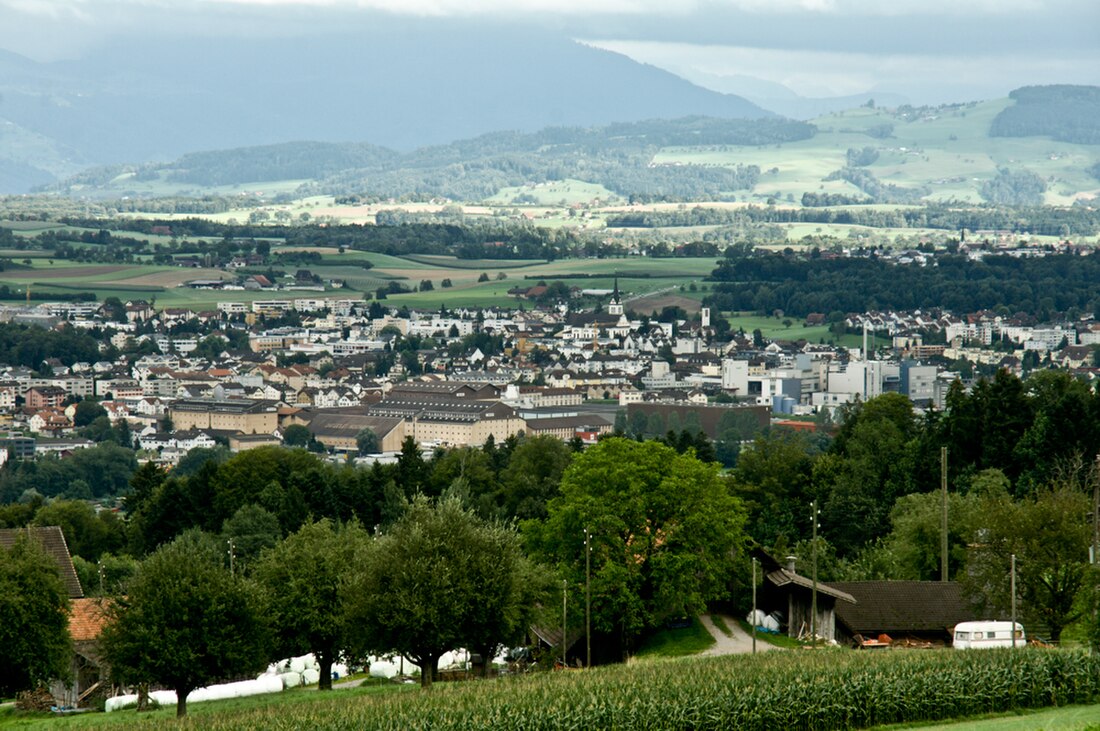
990, 635
962, 635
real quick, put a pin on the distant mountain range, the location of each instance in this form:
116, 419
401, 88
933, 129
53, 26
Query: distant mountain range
146, 102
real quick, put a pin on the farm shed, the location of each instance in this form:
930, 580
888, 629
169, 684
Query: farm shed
88, 672
911, 611
788, 595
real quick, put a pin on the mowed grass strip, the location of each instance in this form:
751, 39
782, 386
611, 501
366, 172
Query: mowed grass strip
827, 689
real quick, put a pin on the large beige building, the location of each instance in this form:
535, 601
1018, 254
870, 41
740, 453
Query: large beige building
453, 423
338, 430
231, 415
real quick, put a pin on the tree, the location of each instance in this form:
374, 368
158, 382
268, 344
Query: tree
296, 435
186, 621
34, 618
306, 571
666, 534
251, 530
533, 476
1049, 534
86, 412
88, 534
366, 441
440, 578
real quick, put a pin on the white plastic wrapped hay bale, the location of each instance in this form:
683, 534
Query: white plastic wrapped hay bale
120, 701
290, 680
163, 697
383, 669
240, 689
297, 664
339, 670
310, 676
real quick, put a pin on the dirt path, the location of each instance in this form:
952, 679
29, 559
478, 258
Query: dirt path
740, 643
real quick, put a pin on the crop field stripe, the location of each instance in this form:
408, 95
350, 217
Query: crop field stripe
811, 691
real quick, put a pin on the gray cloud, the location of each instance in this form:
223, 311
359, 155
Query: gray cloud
832, 46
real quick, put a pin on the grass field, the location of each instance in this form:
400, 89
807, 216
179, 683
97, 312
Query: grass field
1072, 718
677, 641
948, 152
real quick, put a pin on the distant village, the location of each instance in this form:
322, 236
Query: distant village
349, 366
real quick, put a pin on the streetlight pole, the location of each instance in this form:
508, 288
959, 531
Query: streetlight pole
587, 598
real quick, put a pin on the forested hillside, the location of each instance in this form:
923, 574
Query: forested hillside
617, 157
799, 285
1064, 112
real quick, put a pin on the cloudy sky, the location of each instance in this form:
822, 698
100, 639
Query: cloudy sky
929, 50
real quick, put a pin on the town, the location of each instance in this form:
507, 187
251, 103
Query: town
459, 377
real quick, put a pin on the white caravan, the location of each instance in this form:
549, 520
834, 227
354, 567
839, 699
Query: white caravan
980, 635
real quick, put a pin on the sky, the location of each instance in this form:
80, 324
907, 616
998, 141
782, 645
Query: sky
928, 50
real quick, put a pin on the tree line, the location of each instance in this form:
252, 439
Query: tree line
1046, 221
798, 284
448, 556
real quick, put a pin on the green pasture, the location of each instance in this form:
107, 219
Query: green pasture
949, 152
557, 192
1069, 718
677, 641
774, 329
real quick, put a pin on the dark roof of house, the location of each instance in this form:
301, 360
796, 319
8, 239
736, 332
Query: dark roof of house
52, 541
903, 606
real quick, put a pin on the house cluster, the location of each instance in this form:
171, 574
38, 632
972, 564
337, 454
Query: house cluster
462, 377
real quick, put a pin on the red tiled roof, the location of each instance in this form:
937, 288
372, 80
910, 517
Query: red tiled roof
86, 619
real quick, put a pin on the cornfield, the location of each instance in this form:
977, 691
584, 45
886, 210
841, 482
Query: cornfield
795, 690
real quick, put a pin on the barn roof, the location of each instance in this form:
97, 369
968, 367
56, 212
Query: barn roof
903, 606
52, 541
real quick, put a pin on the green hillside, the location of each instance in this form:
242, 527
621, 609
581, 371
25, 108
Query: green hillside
946, 150
1025, 150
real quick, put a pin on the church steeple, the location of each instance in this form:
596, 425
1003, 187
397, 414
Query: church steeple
615, 307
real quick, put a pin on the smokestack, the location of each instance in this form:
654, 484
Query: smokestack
791, 564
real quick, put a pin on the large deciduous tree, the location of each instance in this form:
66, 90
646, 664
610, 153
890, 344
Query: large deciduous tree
1049, 535
666, 534
34, 618
439, 579
305, 572
186, 621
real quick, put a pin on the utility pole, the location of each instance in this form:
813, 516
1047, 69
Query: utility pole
813, 601
943, 526
1095, 557
232, 558
1012, 590
753, 605
587, 599
564, 624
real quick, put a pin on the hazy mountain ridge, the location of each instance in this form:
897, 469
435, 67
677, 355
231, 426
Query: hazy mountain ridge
617, 157
145, 102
